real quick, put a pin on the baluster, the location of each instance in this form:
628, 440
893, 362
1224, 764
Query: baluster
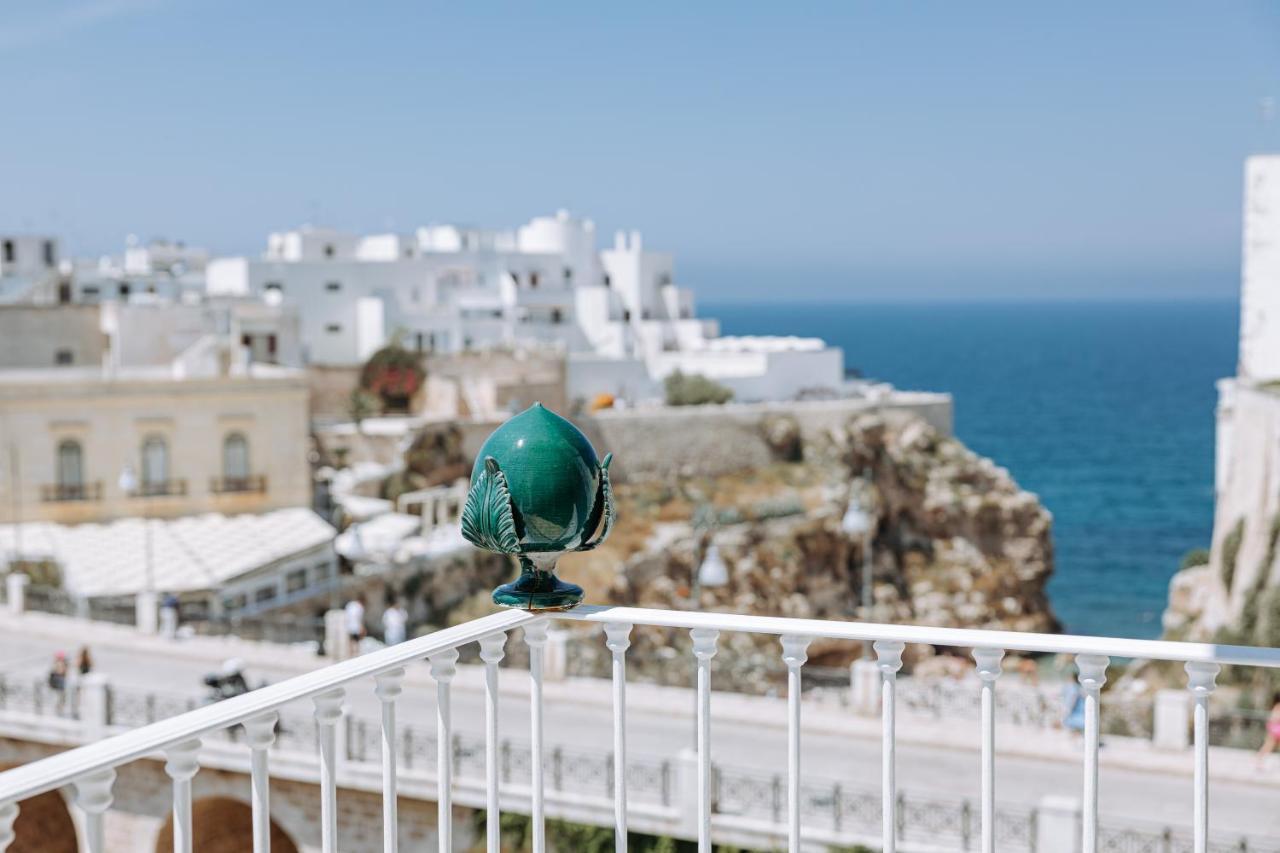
1093, 674
328, 712
618, 640
181, 765
704, 649
794, 654
535, 636
989, 669
889, 661
492, 650
93, 796
443, 667
260, 733
8, 814
387, 687
1201, 680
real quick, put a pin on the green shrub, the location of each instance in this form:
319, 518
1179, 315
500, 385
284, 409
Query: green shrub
1195, 557
393, 374
694, 389
1231, 550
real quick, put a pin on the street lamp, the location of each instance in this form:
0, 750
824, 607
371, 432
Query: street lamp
144, 602
857, 524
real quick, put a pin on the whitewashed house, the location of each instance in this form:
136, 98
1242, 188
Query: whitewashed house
619, 314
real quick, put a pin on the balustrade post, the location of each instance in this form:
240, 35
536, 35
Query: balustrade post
794, 654
618, 640
260, 732
444, 665
492, 651
181, 764
93, 796
704, 649
16, 590
989, 668
1092, 674
889, 660
387, 687
1201, 681
535, 636
328, 712
95, 705
8, 814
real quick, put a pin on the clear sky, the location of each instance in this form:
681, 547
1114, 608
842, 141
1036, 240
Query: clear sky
843, 151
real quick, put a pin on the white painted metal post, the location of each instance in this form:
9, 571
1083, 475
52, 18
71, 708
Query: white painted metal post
535, 636
704, 649
181, 765
794, 654
261, 733
988, 667
387, 687
8, 814
492, 651
93, 796
889, 659
328, 713
443, 667
1201, 680
1093, 674
618, 640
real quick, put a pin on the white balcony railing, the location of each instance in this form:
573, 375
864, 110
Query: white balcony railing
90, 770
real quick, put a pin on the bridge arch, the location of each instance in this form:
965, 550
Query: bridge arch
44, 825
222, 825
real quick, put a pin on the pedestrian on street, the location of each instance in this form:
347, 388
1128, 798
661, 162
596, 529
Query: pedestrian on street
394, 619
58, 679
354, 617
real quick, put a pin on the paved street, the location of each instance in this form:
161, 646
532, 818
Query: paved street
936, 758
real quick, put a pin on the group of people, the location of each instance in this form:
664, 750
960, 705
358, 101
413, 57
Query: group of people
395, 621
64, 678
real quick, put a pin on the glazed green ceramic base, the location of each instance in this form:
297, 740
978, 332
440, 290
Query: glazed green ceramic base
538, 590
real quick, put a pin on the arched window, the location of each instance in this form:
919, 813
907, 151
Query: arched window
155, 463
235, 457
70, 464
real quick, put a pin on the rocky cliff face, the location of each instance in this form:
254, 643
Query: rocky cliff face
955, 543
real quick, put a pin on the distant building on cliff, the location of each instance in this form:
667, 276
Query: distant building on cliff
617, 313
1238, 593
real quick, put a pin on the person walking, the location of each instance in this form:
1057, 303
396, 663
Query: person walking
354, 618
58, 680
394, 619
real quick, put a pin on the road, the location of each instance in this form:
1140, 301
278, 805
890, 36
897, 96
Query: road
935, 758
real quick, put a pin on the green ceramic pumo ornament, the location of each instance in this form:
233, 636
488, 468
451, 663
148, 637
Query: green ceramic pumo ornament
538, 491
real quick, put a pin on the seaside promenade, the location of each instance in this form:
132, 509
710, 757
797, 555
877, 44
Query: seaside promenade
940, 758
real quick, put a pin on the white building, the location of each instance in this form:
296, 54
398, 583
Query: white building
618, 313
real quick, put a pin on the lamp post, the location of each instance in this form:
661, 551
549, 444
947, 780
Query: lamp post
857, 525
145, 601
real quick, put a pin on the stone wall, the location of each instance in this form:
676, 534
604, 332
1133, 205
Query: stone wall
687, 441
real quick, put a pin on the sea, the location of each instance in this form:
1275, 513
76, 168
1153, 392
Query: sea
1103, 409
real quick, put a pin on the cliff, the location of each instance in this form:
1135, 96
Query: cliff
956, 543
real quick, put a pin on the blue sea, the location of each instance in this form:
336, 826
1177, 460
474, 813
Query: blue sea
1105, 410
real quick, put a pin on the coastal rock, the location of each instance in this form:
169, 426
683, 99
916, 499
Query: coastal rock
956, 543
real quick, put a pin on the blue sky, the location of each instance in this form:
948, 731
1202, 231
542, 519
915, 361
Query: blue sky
824, 151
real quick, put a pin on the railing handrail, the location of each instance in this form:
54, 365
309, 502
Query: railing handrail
977, 638
47, 774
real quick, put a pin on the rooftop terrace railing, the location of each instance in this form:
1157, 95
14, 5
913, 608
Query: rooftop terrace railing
90, 770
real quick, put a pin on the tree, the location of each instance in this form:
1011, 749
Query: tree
694, 389
394, 374
361, 404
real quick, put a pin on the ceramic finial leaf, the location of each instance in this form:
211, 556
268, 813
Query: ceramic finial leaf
487, 519
604, 506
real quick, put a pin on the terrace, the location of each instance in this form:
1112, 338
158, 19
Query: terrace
698, 796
